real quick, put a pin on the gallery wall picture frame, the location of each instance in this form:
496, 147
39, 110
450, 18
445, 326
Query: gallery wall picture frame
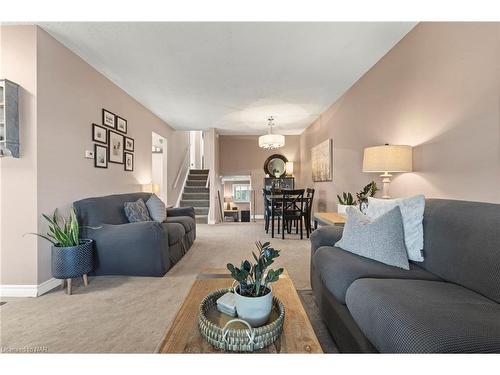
129, 162
115, 149
121, 124
129, 144
100, 156
99, 134
108, 119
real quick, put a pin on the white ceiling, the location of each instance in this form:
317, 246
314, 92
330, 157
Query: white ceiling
232, 76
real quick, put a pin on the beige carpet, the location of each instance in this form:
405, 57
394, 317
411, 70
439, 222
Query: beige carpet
116, 314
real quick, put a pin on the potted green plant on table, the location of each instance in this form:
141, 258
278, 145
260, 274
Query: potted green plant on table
254, 296
345, 201
72, 256
368, 191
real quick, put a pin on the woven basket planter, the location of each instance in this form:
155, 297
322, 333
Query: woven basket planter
239, 340
74, 261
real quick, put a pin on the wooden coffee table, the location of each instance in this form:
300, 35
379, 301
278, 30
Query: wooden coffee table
184, 337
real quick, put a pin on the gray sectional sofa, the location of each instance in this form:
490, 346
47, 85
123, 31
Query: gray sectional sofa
137, 249
448, 303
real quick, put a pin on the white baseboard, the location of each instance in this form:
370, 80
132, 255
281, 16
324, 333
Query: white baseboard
29, 290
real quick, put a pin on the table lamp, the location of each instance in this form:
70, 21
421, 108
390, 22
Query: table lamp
228, 201
289, 168
386, 159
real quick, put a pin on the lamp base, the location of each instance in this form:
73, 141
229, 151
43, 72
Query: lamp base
386, 180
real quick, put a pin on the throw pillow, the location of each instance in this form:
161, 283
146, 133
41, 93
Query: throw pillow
157, 209
412, 210
381, 239
136, 211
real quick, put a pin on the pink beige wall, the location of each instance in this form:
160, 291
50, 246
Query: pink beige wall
241, 155
437, 90
69, 97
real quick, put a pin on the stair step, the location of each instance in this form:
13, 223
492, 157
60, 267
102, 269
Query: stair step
198, 171
196, 189
195, 196
202, 219
192, 177
195, 203
201, 210
196, 183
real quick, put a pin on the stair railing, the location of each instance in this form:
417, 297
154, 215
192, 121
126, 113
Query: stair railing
181, 168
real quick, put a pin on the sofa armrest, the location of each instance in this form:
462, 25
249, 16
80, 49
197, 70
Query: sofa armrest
181, 211
325, 236
136, 249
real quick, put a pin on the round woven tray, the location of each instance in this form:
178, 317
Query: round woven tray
236, 335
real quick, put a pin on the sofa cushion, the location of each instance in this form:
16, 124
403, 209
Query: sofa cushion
462, 244
420, 316
339, 269
381, 239
136, 211
187, 222
157, 209
175, 232
105, 210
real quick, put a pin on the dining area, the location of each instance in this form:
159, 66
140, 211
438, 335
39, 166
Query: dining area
288, 211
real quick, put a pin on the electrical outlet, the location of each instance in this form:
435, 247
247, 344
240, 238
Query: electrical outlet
89, 154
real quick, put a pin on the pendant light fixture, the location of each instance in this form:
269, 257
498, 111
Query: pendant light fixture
271, 141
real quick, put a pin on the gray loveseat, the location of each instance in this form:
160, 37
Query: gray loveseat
136, 249
448, 303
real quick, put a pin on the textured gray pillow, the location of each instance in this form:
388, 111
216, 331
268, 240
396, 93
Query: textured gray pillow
381, 239
136, 211
157, 209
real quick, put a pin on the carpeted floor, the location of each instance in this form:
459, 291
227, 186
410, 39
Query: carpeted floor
117, 314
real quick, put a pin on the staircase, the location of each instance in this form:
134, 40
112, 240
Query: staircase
196, 194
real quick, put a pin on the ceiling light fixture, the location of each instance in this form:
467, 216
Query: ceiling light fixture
271, 141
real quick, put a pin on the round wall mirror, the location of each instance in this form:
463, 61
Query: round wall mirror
275, 165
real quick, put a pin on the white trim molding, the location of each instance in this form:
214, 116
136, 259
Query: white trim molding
29, 290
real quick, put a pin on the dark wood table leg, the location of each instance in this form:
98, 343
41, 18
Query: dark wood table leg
272, 219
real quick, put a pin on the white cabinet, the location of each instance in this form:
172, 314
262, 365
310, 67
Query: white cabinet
9, 118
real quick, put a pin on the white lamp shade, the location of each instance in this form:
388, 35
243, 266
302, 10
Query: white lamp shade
289, 168
271, 141
388, 158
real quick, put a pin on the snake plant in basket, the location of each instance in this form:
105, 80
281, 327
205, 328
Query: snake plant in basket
72, 256
253, 292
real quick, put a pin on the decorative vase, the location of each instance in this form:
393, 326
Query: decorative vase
254, 310
341, 208
73, 261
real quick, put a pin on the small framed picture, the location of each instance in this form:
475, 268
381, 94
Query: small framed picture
129, 161
99, 134
100, 156
115, 151
108, 118
129, 144
121, 124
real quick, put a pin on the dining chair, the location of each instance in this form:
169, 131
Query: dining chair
292, 209
267, 208
309, 207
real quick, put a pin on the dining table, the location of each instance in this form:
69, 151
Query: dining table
274, 200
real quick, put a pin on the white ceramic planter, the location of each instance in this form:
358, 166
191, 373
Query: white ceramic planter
254, 310
341, 208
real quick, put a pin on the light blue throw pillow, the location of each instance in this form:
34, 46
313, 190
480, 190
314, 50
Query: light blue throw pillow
157, 209
381, 239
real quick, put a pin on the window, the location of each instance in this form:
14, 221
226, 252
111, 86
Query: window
241, 193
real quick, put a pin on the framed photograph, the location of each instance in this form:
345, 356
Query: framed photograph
99, 134
129, 144
108, 118
121, 124
115, 151
321, 161
100, 156
129, 161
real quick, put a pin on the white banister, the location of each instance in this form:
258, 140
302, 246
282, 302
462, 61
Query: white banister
181, 168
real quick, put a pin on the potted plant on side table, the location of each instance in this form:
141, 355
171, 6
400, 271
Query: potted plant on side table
72, 256
254, 296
